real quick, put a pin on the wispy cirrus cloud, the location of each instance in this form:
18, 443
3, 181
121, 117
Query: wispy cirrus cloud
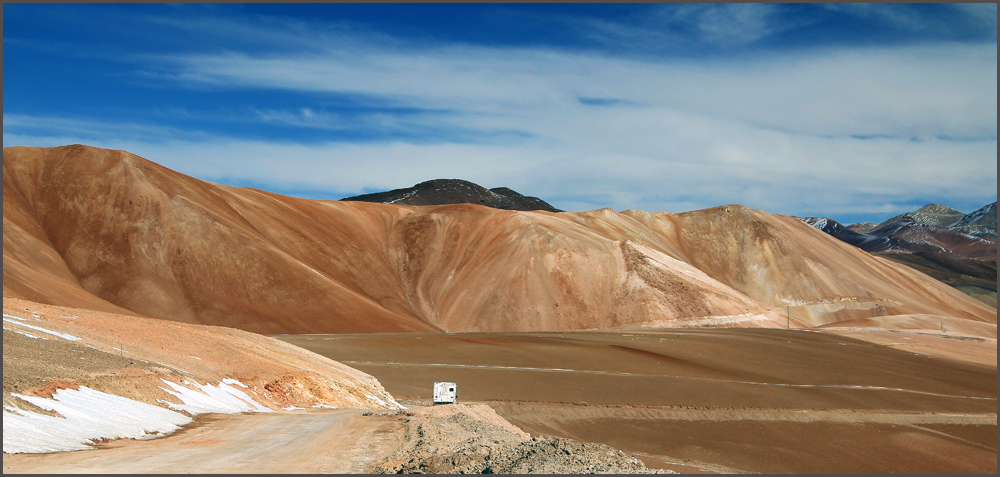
725, 23
340, 108
83, 129
957, 20
907, 92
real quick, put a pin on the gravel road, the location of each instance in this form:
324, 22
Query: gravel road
315, 441
440, 439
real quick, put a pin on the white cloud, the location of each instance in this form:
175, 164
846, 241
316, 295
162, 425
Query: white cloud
764, 169
984, 13
917, 91
914, 19
85, 130
893, 15
770, 132
727, 23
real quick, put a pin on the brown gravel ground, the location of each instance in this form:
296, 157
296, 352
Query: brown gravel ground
715, 400
473, 439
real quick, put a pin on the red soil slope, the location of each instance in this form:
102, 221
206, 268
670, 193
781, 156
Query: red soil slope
128, 355
780, 261
108, 230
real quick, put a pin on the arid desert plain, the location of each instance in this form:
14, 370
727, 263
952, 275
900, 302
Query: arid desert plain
159, 323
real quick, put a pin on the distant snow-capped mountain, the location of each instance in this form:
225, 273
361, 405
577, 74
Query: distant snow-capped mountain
934, 228
981, 223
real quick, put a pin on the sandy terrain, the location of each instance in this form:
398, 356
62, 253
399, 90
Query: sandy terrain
108, 230
714, 400
941, 336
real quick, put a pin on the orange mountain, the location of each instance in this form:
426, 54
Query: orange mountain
108, 230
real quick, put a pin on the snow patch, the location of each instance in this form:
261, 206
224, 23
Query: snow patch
39, 328
817, 222
88, 415
234, 381
29, 335
376, 399
222, 399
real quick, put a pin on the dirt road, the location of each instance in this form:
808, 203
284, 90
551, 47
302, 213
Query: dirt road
456, 438
314, 441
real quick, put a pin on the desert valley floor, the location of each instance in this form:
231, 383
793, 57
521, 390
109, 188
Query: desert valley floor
688, 400
727, 400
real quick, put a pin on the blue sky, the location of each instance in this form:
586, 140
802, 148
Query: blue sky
852, 111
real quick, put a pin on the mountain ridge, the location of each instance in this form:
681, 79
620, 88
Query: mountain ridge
933, 228
111, 231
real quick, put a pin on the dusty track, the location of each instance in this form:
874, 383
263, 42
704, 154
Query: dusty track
330, 441
439, 439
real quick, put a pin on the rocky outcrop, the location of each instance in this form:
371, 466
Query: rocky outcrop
472, 439
456, 191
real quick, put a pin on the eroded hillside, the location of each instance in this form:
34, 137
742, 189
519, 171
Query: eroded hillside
111, 231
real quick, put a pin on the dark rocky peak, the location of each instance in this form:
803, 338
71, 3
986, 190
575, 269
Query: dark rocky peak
981, 223
456, 191
985, 216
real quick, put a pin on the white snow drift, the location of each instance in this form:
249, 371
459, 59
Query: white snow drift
89, 415
222, 399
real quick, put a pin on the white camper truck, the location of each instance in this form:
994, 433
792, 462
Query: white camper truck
445, 393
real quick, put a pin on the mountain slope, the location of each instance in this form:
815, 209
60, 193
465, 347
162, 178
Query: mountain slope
940, 252
982, 222
107, 229
976, 278
782, 261
114, 376
860, 227
166, 245
936, 215
868, 243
